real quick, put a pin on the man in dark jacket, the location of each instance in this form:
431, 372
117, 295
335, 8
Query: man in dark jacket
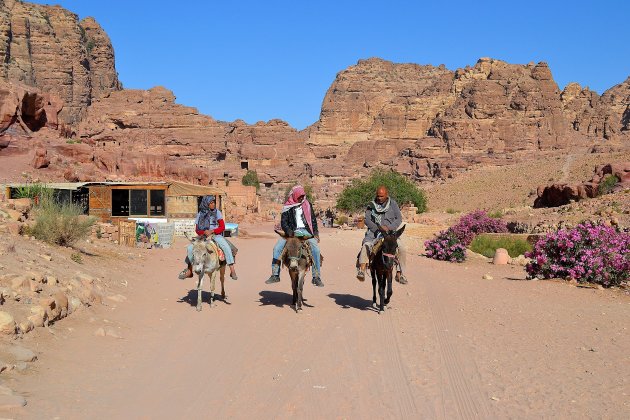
298, 219
382, 215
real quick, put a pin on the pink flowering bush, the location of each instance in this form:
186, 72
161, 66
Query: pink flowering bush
450, 245
446, 247
590, 252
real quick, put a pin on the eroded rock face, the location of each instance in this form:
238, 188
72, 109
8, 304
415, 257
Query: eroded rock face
27, 107
47, 47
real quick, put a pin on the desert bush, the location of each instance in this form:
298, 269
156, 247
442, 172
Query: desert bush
448, 244
487, 245
61, 224
446, 247
497, 214
341, 219
76, 257
356, 196
607, 185
251, 179
451, 210
589, 252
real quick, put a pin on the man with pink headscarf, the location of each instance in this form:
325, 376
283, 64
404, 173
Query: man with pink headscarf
298, 219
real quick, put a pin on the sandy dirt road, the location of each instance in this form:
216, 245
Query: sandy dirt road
451, 345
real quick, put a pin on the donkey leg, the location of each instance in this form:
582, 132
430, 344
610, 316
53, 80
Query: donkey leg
294, 286
300, 289
390, 292
373, 287
381, 293
199, 289
213, 281
222, 272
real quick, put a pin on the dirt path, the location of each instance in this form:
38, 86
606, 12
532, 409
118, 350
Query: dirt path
451, 346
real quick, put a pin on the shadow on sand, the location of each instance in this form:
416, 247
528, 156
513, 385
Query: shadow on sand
191, 298
279, 299
351, 301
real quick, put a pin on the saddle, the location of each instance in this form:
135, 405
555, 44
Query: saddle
307, 253
212, 246
376, 246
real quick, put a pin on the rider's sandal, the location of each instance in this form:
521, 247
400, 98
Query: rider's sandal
360, 275
183, 275
233, 276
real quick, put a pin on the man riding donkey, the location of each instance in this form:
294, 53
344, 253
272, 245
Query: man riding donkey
210, 223
382, 215
298, 219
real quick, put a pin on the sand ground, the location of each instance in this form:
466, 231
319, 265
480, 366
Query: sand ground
451, 345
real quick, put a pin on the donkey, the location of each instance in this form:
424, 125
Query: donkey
297, 257
381, 266
206, 261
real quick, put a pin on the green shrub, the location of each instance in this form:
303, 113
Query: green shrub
341, 220
607, 185
77, 258
251, 179
359, 193
487, 245
451, 210
31, 191
61, 224
497, 214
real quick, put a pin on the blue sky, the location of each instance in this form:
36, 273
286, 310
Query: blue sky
259, 60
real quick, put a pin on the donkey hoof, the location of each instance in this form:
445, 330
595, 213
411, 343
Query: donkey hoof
198, 308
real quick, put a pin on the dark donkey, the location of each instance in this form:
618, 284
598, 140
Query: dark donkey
297, 257
381, 267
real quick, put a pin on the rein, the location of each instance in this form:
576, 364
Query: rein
299, 256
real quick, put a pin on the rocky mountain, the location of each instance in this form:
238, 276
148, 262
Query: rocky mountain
47, 47
424, 121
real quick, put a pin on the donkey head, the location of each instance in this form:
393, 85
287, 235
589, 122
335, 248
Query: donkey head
200, 253
293, 251
390, 246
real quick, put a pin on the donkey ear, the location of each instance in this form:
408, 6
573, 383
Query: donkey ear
400, 231
281, 233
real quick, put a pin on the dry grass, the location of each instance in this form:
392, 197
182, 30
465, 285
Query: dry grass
514, 186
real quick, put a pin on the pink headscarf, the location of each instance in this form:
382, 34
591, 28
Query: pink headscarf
293, 200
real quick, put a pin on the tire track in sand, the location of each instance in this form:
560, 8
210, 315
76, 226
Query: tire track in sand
461, 382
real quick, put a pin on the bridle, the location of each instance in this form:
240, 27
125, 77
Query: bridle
301, 253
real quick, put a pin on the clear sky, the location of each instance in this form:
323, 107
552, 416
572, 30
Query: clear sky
259, 60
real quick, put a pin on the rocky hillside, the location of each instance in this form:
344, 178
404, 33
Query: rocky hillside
49, 48
428, 122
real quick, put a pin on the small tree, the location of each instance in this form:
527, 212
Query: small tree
359, 193
251, 179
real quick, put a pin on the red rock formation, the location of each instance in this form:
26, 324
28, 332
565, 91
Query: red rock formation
557, 195
47, 47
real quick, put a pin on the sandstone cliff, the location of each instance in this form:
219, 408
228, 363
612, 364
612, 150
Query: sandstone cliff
47, 47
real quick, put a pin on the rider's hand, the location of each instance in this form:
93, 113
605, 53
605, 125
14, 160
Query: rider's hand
208, 233
384, 228
317, 238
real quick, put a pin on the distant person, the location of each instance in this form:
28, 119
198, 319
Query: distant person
298, 219
210, 223
382, 215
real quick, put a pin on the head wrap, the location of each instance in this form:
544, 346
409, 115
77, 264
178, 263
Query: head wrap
293, 200
207, 217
